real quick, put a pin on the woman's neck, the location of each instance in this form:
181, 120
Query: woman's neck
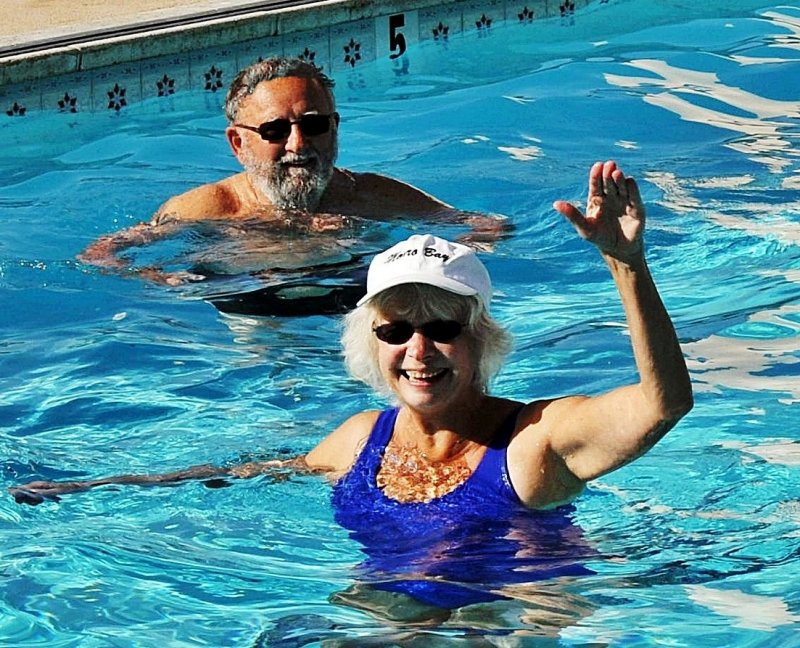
443, 437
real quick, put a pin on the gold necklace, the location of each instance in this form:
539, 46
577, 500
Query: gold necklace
407, 475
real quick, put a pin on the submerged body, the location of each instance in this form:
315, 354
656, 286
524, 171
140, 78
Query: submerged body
435, 551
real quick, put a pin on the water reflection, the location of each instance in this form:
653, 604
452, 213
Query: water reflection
751, 363
768, 128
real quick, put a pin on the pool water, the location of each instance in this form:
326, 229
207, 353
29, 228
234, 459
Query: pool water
697, 543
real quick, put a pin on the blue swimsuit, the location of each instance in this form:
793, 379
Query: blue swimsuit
462, 547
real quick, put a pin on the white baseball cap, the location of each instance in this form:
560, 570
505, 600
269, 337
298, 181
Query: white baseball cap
428, 259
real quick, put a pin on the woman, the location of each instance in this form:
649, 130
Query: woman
437, 489
423, 334
432, 344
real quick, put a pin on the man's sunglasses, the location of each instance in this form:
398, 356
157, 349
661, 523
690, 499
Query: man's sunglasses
400, 332
278, 130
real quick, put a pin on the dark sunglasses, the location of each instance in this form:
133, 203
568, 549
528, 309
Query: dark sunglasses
401, 332
278, 130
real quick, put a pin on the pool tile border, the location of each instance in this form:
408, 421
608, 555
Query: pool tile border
337, 36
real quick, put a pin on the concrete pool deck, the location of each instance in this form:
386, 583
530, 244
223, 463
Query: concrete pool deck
42, 39
24, 22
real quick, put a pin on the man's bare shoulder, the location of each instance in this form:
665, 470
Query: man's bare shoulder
216, 200
378, 196
389, 187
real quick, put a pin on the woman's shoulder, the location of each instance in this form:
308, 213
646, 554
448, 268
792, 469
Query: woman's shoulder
534, 424
337, 451
539, 474
359, 424
544, 411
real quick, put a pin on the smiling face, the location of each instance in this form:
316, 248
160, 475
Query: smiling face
292, 173
428, 375
424, 374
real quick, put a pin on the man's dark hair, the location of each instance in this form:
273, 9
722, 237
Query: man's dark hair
277, 67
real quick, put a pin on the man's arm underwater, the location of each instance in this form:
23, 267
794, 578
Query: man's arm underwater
216, 201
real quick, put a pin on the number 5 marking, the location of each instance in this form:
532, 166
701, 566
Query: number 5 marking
396, 40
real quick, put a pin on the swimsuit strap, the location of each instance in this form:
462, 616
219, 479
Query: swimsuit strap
493, 468
383, 429
369, 459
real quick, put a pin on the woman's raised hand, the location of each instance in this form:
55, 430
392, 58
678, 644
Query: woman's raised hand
615, 215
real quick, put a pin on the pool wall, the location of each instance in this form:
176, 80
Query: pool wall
113, 73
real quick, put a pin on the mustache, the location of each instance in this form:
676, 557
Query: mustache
299, 158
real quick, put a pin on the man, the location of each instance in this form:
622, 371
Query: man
283, 129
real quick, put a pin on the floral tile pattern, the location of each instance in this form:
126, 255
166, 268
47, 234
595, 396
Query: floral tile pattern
337, 48
352, 44
440, 23
164, 77
312, 46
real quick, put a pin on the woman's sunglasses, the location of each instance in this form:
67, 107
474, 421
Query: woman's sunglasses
400, 332
278, 130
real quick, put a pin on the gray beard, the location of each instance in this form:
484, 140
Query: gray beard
291, 188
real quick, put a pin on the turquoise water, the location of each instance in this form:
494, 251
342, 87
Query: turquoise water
698, 542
